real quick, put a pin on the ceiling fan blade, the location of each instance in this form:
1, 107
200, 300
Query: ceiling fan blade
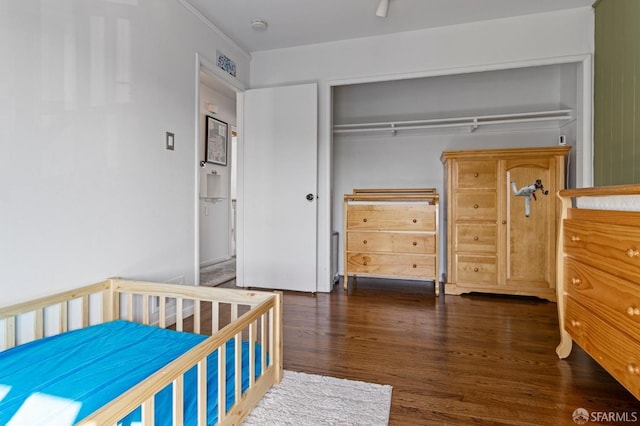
383, 8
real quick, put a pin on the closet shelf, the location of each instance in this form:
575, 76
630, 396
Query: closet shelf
473, 122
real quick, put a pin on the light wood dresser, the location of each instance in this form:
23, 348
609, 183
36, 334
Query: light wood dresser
599, 278
391, 233
495, 244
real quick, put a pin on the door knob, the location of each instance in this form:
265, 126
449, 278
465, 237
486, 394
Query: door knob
310, 197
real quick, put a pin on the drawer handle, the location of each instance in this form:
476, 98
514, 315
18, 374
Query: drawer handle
504, 222
476, 238
575, 238
633, 252
476, 174
364, 220
415, 243
475, 269
364, 263
475, 206
633, 369
575, 323
415, 266
415, 220
364, 241
632, 310
576, 281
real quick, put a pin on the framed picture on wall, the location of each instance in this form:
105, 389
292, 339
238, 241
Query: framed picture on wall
215, 145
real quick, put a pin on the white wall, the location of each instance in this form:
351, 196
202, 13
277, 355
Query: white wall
215, 214
88, 89
498, 44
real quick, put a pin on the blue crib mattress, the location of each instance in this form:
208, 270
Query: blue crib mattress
61, 379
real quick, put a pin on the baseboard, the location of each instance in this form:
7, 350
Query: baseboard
214, 261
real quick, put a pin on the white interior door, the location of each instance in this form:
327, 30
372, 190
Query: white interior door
277, 203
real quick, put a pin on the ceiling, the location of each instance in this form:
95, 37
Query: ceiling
299, 22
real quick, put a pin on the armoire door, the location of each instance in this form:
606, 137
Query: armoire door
530, 241
277, 186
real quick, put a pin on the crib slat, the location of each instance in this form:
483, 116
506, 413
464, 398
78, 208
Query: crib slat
162, 312
202, 392
38, 324
178, 401
145, 309
64, 316
271, 331
277, 338
196, 316
130, 306
252, 353
115, 314
215, 317
222, 386
234, 311
238, 366
263, 330
107, 306
85, 310
179, 314
147, 412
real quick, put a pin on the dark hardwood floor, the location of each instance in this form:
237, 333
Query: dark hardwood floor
472, 359
458, 360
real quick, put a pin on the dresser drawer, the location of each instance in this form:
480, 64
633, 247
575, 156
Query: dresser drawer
612, 298
475, 238
391, 242
398, 265
392, 216
476, 269
476, 206
618, 353
615, 248
476, 174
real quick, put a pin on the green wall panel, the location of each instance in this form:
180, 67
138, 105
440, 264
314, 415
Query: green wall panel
616, 150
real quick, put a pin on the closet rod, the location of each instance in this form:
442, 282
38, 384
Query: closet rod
472, 122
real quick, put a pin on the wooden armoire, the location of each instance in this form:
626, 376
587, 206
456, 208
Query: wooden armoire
493, 246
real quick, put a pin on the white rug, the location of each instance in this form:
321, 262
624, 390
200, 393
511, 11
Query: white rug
308, 399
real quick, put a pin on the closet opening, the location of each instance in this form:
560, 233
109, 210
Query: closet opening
391, 134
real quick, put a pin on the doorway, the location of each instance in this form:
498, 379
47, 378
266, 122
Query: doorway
216, 223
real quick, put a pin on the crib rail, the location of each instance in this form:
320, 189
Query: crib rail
239, 315
260, 324
120, 299
55, 314
167, 305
